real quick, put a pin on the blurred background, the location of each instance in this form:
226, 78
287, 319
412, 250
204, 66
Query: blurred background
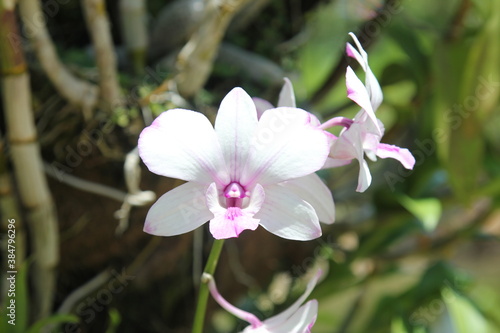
418, 252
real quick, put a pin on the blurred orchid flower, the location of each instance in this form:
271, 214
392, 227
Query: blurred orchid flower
311, 188
235, 172
298, 318
362, 135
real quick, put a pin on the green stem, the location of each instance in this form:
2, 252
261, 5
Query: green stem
199, 317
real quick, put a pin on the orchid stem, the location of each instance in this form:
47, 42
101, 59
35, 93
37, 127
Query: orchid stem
213, 258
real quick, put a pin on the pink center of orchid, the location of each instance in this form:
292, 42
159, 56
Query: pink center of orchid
234, 190
234, 194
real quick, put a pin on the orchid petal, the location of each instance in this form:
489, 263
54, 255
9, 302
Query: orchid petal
365, 177
300, 322
335, 163
358, 93
314, 121
288, 216
347, 147
235, 127
287, 96
371, 81
283, 316
257, 199
312, 190
374, 89
370, 144
171, 147
178, 211
286, 146
232, 221
403, 155
261, 106
362, 52
353, 53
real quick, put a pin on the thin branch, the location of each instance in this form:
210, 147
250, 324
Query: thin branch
355, 307
84, 290
135, 196
98, 25
444, 242
100, 279
86, 185
195, 61
457, 24
73, 89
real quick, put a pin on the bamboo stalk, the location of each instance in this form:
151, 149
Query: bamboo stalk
27, 162
76, 91
195, 61
98, 26
9, 211
134, 32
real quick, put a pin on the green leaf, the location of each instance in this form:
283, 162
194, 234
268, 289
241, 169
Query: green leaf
327, 30
397, 326
55, 319
427, 210
482, 73
466, 318
114, 320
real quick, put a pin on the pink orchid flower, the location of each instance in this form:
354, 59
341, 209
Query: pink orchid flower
297, 318
361, 136
237, 172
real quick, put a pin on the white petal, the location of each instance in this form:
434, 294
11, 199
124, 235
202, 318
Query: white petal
287, 96
235, 127
257, 199
371, 81
261, 105
365, 177
288, 216
286, 146
300, 321
348, 146
312, 190
362, 52
374, 89
283, 316
358, 93
334, 163
353, 53
182, 144
212, 200
178, 211
403, 155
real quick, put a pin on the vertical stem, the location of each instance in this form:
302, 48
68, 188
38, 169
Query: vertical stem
98, 26
201, 307
195, 60
27, 162
134, 30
